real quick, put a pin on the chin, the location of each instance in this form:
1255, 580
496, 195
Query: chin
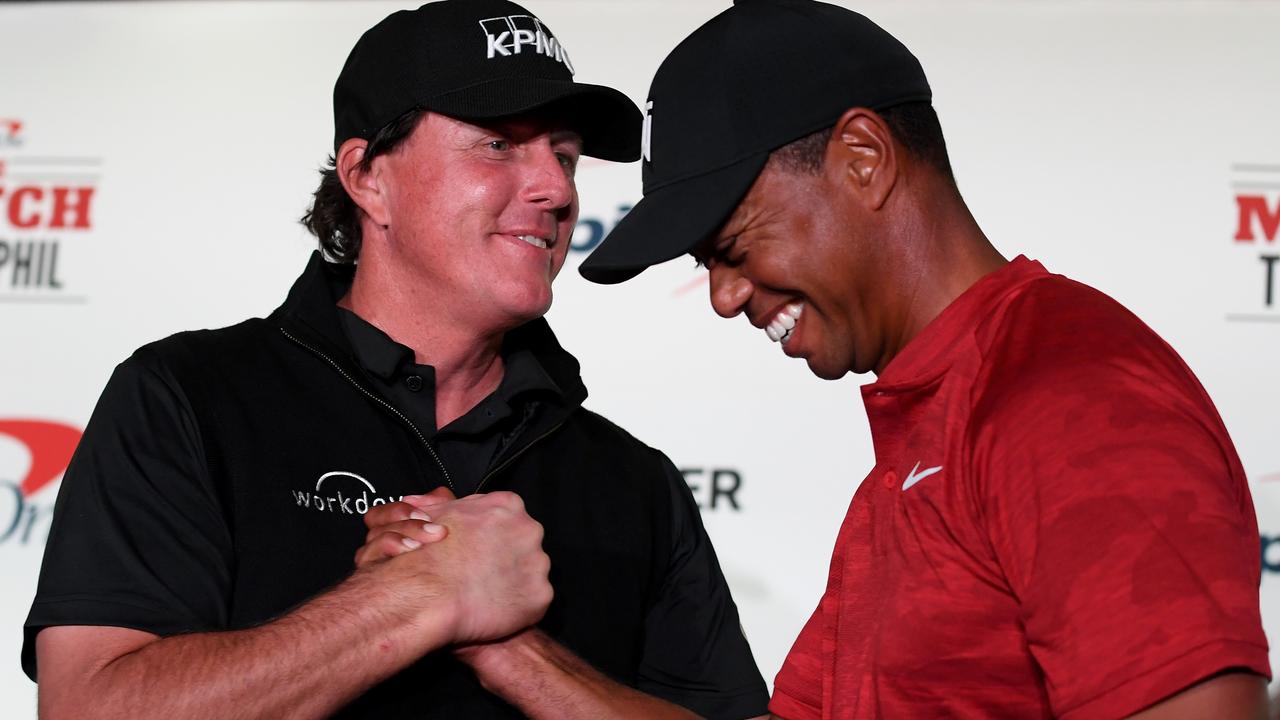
827, 371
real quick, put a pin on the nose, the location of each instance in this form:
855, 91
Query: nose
548, 181
730, 291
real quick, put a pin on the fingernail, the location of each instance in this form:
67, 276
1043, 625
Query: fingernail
411, 543
432, 528
419, 515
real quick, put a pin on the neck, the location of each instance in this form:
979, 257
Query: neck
468, 363
943, 253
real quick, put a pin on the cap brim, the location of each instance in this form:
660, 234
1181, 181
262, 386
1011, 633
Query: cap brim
671, 221
608, 121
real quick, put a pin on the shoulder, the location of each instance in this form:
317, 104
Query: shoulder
1061, 338
205, 342
190, 355
610, 435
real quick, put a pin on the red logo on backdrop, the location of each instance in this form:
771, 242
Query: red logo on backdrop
1259, 219
41, 197
50, 444
24, 519
1257, 225
10, 131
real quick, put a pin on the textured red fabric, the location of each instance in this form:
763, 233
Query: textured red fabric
1085, 548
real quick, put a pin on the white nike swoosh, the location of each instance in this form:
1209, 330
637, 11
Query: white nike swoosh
913, 478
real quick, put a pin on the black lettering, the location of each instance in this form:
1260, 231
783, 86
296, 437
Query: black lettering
686, 472
1272, 565
22, 264
1270, 261
32, 513
40, 264
728, 490
595, 233
19, 503
54, 282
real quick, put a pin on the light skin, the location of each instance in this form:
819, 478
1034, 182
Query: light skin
875, 245
444, 271
528, 669
317, 658
444, 236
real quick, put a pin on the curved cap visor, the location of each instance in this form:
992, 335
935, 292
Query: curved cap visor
608, 121
671, 221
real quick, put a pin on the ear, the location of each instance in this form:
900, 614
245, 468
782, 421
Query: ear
862, 150
361, 181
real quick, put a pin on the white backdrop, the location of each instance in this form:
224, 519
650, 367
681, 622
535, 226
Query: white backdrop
1115, 141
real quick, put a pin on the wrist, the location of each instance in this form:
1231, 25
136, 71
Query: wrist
417, 622
494, 661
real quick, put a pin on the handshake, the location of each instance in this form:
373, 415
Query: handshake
478, 561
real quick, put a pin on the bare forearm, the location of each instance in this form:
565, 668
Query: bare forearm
545, 680
306, 664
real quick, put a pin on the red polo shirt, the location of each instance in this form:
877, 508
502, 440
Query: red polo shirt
1056, 525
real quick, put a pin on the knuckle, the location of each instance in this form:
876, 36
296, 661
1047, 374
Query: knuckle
508, 499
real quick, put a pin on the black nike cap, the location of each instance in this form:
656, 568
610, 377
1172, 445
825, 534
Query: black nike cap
475, 60
752, 79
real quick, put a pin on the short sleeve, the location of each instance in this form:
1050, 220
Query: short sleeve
137, 538
695, 652
797, 690
1120, 516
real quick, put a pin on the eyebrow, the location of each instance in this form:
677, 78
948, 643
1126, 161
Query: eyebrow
559, 136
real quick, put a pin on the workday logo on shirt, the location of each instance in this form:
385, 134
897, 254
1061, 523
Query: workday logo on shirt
342, 493
513, 34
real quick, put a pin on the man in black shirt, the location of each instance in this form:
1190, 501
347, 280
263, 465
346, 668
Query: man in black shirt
200, 561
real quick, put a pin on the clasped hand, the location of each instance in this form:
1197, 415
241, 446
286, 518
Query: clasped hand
480, 555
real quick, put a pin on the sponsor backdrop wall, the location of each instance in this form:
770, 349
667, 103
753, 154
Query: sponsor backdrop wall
154, 159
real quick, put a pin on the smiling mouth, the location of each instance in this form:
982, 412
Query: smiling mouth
781, 326
536, 241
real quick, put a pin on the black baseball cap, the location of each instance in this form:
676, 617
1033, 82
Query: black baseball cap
752, 79
475, 60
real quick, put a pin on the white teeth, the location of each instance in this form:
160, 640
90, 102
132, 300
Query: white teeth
534, 241
779, 329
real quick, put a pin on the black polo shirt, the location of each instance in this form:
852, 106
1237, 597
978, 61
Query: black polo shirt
205, 496
467, 446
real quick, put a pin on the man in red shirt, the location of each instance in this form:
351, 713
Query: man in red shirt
1057, 523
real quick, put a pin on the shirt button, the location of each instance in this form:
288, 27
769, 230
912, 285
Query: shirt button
413, 382
890, 479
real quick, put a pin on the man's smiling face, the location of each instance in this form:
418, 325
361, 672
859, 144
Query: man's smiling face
797, 260
480, 215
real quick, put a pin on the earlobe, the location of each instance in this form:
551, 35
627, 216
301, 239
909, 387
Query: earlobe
866, 155
360, 181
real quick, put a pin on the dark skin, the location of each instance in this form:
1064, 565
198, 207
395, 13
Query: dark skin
831, 241
875, 246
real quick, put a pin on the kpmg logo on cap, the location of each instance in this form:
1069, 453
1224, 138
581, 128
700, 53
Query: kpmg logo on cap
512, 34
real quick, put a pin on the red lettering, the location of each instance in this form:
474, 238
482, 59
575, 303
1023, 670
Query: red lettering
16, 201
79, 208
1254, 207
